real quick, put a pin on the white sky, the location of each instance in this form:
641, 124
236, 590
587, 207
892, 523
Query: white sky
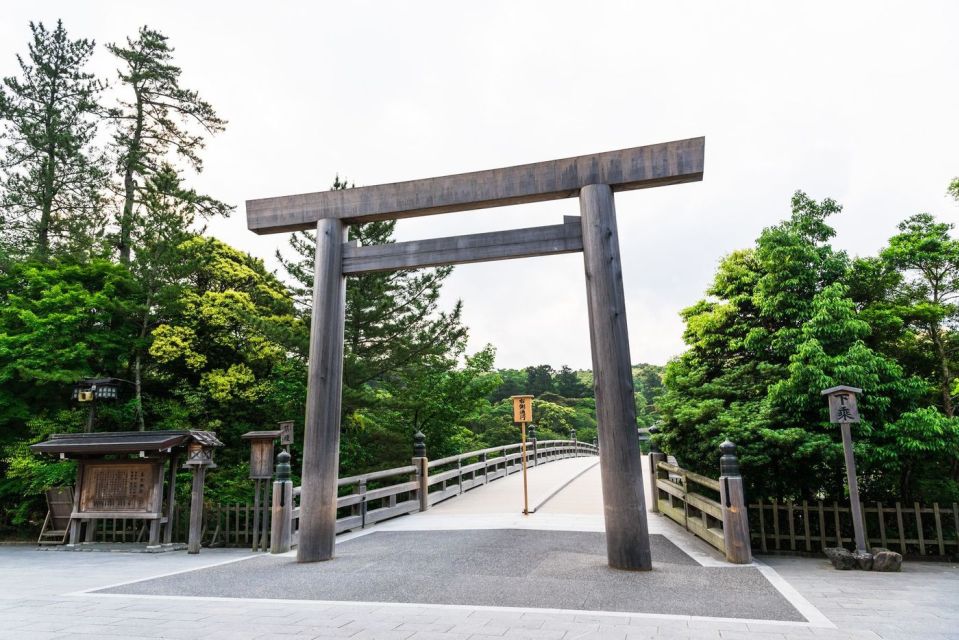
855, 101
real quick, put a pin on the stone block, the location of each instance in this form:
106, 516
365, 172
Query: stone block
886, 560
840, 558
864, 560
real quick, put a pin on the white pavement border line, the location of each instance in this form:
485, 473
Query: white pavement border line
458, 607
796, 599
814, 618
163, 575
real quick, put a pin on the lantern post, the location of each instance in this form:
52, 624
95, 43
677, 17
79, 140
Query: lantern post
93, 390
843, 410
199, 458
261, 472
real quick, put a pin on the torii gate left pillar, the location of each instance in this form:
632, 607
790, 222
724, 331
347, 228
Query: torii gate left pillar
593, 179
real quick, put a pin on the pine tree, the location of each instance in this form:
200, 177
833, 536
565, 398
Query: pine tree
160, 122
392, 319
51, 193
927, 257
569, 385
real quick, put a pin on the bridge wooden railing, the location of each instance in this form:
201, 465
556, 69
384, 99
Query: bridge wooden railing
713, 510
373, 497
680, 498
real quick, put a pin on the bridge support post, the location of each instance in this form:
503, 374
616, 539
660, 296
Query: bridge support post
655, 457
421, 462
321, 441
281, 526
627, 533
733, 502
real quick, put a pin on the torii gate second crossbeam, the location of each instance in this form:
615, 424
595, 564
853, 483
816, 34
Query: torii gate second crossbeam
592, 178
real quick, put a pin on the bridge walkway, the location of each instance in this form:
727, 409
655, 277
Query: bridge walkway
565, 496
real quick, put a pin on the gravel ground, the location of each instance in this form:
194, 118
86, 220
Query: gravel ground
500, 567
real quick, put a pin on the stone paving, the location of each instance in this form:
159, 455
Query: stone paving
48, 595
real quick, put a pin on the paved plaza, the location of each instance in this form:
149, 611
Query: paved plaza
496, 574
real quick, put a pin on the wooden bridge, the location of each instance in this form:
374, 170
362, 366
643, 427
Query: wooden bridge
381, 495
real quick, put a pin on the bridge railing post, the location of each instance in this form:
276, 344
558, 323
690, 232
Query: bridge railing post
655, 457
421, 462
281, 527
733, 502
532, 440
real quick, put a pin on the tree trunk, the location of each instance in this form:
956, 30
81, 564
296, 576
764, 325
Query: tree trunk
129, 185
137, 367
944, 372
137, 381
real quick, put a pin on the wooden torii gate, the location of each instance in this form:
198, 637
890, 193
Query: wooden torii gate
593, 178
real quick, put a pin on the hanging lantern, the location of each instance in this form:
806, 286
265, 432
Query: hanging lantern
90, 389
198, 454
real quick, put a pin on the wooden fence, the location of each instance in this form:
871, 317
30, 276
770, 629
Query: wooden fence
224, 525
804, 527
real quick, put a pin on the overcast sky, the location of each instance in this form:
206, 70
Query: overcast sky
854, 101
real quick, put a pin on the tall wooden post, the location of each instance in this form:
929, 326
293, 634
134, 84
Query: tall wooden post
844, 410
854, 504
170, 500
655, 457
321, 442
733, 504
196, 509
422, 464
627, 533
281, 527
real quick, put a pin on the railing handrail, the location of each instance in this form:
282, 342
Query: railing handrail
376, 475
503, 448
691, 476
398, 471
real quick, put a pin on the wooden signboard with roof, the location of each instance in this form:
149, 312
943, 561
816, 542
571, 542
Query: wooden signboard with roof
121, 475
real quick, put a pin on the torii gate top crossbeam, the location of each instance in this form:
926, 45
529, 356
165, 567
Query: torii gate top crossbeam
637, 168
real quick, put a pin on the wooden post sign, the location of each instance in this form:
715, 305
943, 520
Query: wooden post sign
523, 414
522, 409
286, 433
843, 410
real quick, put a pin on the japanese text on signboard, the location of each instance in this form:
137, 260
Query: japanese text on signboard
523, 409
842, 407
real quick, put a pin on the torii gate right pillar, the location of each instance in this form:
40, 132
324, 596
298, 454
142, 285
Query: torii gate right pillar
624, 504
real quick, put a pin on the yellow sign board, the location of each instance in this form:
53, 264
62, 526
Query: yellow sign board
522, 409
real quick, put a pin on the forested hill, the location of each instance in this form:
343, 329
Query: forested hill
563, 400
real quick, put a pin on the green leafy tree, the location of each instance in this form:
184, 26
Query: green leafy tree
742, 339
928, 258
568, 384
441, 399
395, 336
51, 190
159, 121
513, 383
158, 264
59, 322
539, 379
804, 449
